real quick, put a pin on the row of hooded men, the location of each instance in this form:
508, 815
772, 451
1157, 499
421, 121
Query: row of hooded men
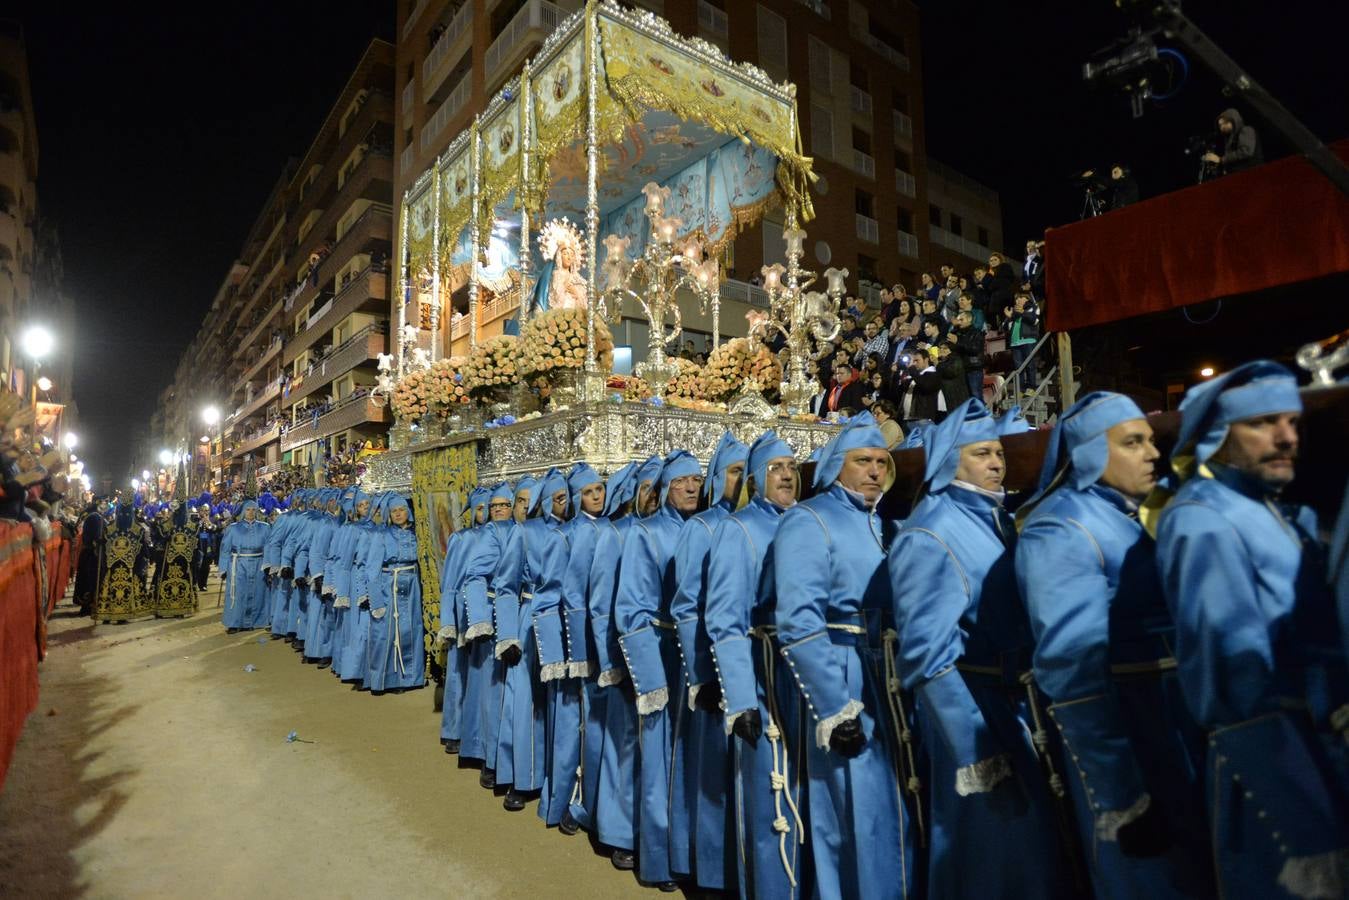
799, 698
336, 576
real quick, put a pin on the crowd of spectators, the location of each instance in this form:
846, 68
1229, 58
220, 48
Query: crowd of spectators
923, 353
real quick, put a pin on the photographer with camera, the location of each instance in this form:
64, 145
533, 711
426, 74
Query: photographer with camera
919, 387
1241, 148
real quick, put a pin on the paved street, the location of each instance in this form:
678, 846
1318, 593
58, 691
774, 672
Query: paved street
155, 766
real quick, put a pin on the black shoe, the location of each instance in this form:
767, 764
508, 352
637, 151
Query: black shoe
667, 887
231, 631
568, 825
514, 802
488, 779
452, 747
624, 860
325, 662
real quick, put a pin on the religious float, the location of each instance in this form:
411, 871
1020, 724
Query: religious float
622, 137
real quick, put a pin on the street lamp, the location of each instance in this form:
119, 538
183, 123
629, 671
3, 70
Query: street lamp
210, 415
37, 342
145, 474
71, 440
135, 484
166, 457
44, 384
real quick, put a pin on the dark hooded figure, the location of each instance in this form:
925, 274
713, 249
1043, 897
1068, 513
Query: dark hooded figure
1241, 148
91, 554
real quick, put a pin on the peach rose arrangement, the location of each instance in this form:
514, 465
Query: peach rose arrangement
492, 368
631, 388
449, 389
556, 339
412, 396
734, 363
689, 384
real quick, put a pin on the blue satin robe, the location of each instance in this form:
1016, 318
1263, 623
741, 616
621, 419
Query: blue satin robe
485, 680
337, 590
647, 638
241, 562
396, 656
616, 778
456, 670
1261, 670
1103, 655
295, 556
828, 558
739, 623
699, 805
964, 641
318, 635
272, 553
356, 652
584, 660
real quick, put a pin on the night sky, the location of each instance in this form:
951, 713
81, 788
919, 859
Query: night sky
162, 128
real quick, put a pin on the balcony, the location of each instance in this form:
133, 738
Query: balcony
448, 50
258, 401
372, 179
406, 160
349, 413
888, 53
256, 330
713, 20
9, 236
860, 101
412, 19
535, 21
362, 347
905, 183
252, 371
496, 308
257, 440
903, 126
819, 7
409, 95
963, 246
868, 229
453, 105
908, 245
366, 291
11, 173
863, 164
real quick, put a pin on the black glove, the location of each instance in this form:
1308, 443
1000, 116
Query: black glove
848, 738
302, 582
267, 578
748, 727
318, 584
1145, 836
709, 697
512, 655
287, 572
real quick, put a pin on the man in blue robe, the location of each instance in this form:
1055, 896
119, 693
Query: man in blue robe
485, 680
565, 716
647, 637
1103, 636
319, 623
755, 686
1256, 640
356, 652
273, 564
241, 570
832, 601
336, 587
396, 657
964, 646
583, 805
530, 548
294, 559
699, 805
456, 657
615, 810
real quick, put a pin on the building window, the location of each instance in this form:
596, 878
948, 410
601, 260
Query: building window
865, 204
866, 268
983, 237
821, 72
900, 103
821, 131
772, 39
903, 161
905, 220
934, 214
861, 140
858, 75
956, 225
712, 18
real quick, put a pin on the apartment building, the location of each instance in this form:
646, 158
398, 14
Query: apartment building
287, 352
964, 219
18, 199
858, 71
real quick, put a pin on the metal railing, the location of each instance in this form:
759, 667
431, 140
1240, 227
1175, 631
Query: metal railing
908, 244
905, 183
859, 100
1033, 406
455, 102
903, 125
535, 14
868, 229
462, 21
409, 95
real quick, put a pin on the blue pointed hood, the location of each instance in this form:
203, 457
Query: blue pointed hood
1078, 450
528, 485
861, 432
1258, 388
648, 471
917, 436
579, 478
542, 499
621, 487
728, 452
968, 423
767, 446
1013, 422
678, 464
398, 501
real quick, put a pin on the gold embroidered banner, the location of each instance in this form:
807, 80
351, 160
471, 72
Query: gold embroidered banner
441, 481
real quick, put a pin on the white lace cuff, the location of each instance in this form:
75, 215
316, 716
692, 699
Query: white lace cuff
824, 729
1111, 821
341, 603
482, 629
693, 694
652, 701
583, 669
553, 671
983, 776
446, 632
503, 646
611, 676
378, 613
1319, 877
731, 719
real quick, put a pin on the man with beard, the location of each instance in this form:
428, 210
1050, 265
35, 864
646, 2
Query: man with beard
1244, 574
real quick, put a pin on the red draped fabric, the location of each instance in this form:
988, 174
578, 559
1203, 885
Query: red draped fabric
1274, 225
20, 625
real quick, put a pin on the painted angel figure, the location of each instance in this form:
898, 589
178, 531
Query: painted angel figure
385, 362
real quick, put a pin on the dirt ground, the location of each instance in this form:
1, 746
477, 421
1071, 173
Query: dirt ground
155, 766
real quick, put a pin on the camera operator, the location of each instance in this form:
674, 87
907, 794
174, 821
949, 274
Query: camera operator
1120, 190
919, 386
1241, 145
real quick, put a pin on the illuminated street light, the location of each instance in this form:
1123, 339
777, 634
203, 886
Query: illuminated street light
44, 384
210, 415
135, 484
166, 457
70, 440
205, 439
38, 342
1207, 371
145, 474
